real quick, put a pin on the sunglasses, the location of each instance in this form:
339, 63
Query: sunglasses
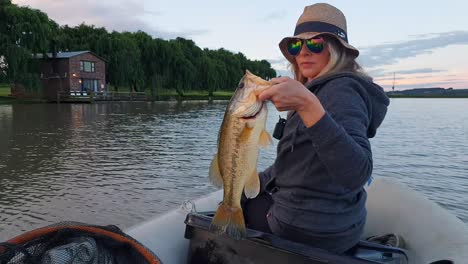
315, 45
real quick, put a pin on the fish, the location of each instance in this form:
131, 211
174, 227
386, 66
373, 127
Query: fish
234, 166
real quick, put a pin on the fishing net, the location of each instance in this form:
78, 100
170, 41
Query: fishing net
75, 243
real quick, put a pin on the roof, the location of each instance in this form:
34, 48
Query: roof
63, 55
66, 55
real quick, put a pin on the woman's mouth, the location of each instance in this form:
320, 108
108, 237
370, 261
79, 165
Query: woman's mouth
306, 64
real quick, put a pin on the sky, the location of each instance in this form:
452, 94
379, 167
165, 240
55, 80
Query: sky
423, 43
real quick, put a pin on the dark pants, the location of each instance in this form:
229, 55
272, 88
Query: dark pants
255, 212
255, 216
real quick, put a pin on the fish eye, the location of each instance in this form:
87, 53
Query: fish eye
241, 85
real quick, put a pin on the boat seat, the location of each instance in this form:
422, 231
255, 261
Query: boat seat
260, 247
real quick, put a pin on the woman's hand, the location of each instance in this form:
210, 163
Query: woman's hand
290, 95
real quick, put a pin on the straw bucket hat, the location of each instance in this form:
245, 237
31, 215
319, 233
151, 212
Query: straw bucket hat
320, 19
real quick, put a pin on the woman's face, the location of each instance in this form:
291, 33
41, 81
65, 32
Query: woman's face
311, 64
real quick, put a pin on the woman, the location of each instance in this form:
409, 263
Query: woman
314, 192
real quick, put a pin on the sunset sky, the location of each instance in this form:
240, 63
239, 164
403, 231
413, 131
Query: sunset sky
425, 43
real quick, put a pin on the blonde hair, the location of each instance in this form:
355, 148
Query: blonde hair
340, 61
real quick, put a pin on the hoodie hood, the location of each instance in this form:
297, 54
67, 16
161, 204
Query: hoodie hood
378, 100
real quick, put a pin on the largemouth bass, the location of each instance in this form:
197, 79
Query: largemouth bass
234, 166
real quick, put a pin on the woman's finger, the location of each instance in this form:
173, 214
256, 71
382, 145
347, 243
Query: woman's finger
267, 94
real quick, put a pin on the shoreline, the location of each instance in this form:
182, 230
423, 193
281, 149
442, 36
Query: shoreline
171, 98
11, 100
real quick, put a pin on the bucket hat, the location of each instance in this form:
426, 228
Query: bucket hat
320, 19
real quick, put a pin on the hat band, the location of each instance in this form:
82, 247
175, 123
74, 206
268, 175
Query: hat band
316, 26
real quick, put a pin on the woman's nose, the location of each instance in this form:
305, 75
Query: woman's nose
304, 50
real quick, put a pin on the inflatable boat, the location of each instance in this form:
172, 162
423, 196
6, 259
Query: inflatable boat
429, 234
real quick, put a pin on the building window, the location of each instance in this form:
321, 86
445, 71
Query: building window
89, 85
87, 66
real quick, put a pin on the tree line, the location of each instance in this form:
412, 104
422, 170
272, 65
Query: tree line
134, 59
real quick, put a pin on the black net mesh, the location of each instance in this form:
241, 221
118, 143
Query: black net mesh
75, 243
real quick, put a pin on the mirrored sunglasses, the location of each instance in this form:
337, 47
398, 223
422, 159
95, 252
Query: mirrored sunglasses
314, 45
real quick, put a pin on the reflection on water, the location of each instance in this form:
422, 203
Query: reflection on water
103, 163
121, 163
424, 144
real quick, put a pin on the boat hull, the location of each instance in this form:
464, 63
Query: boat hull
430, 233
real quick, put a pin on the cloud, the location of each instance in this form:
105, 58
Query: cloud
383, 72
284, 73
279, 60
276, 15
418, 71
115, 15
423, 81
281, 66
442, 84
390, 53
405, 77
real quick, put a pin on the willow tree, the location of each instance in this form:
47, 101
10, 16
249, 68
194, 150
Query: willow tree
208, 74
79, 38
124, 67
194, 55
151, 57
23, 33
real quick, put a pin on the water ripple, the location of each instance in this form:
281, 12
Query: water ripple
122, 163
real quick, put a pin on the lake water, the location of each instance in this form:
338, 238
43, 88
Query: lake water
122, 163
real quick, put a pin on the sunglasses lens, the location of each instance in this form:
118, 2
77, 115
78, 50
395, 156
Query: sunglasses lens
294, 46
315, 45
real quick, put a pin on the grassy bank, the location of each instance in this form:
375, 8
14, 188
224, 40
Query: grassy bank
165, 95
4, 94
171, 95
4, 90
5, 97
194, 95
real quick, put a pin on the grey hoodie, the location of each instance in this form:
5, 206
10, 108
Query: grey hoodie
317, 179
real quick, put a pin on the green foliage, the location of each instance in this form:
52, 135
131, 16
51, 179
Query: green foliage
4, 90
23, 32
134, 60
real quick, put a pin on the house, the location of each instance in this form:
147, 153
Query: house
70, 72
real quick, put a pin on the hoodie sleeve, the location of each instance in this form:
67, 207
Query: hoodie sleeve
340, 136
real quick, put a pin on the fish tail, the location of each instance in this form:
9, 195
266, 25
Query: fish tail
230, 221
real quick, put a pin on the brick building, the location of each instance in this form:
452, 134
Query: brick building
78, 71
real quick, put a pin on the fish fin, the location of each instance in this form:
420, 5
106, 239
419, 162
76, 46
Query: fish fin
229, 221
265, 139
245, 134
252, 186
215, 174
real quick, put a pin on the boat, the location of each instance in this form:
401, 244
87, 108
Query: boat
431, 234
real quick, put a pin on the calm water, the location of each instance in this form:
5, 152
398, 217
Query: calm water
122, 163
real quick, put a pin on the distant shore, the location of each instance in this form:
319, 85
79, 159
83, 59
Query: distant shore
5, 97
435, 92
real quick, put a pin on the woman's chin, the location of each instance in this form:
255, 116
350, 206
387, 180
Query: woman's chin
309, 74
